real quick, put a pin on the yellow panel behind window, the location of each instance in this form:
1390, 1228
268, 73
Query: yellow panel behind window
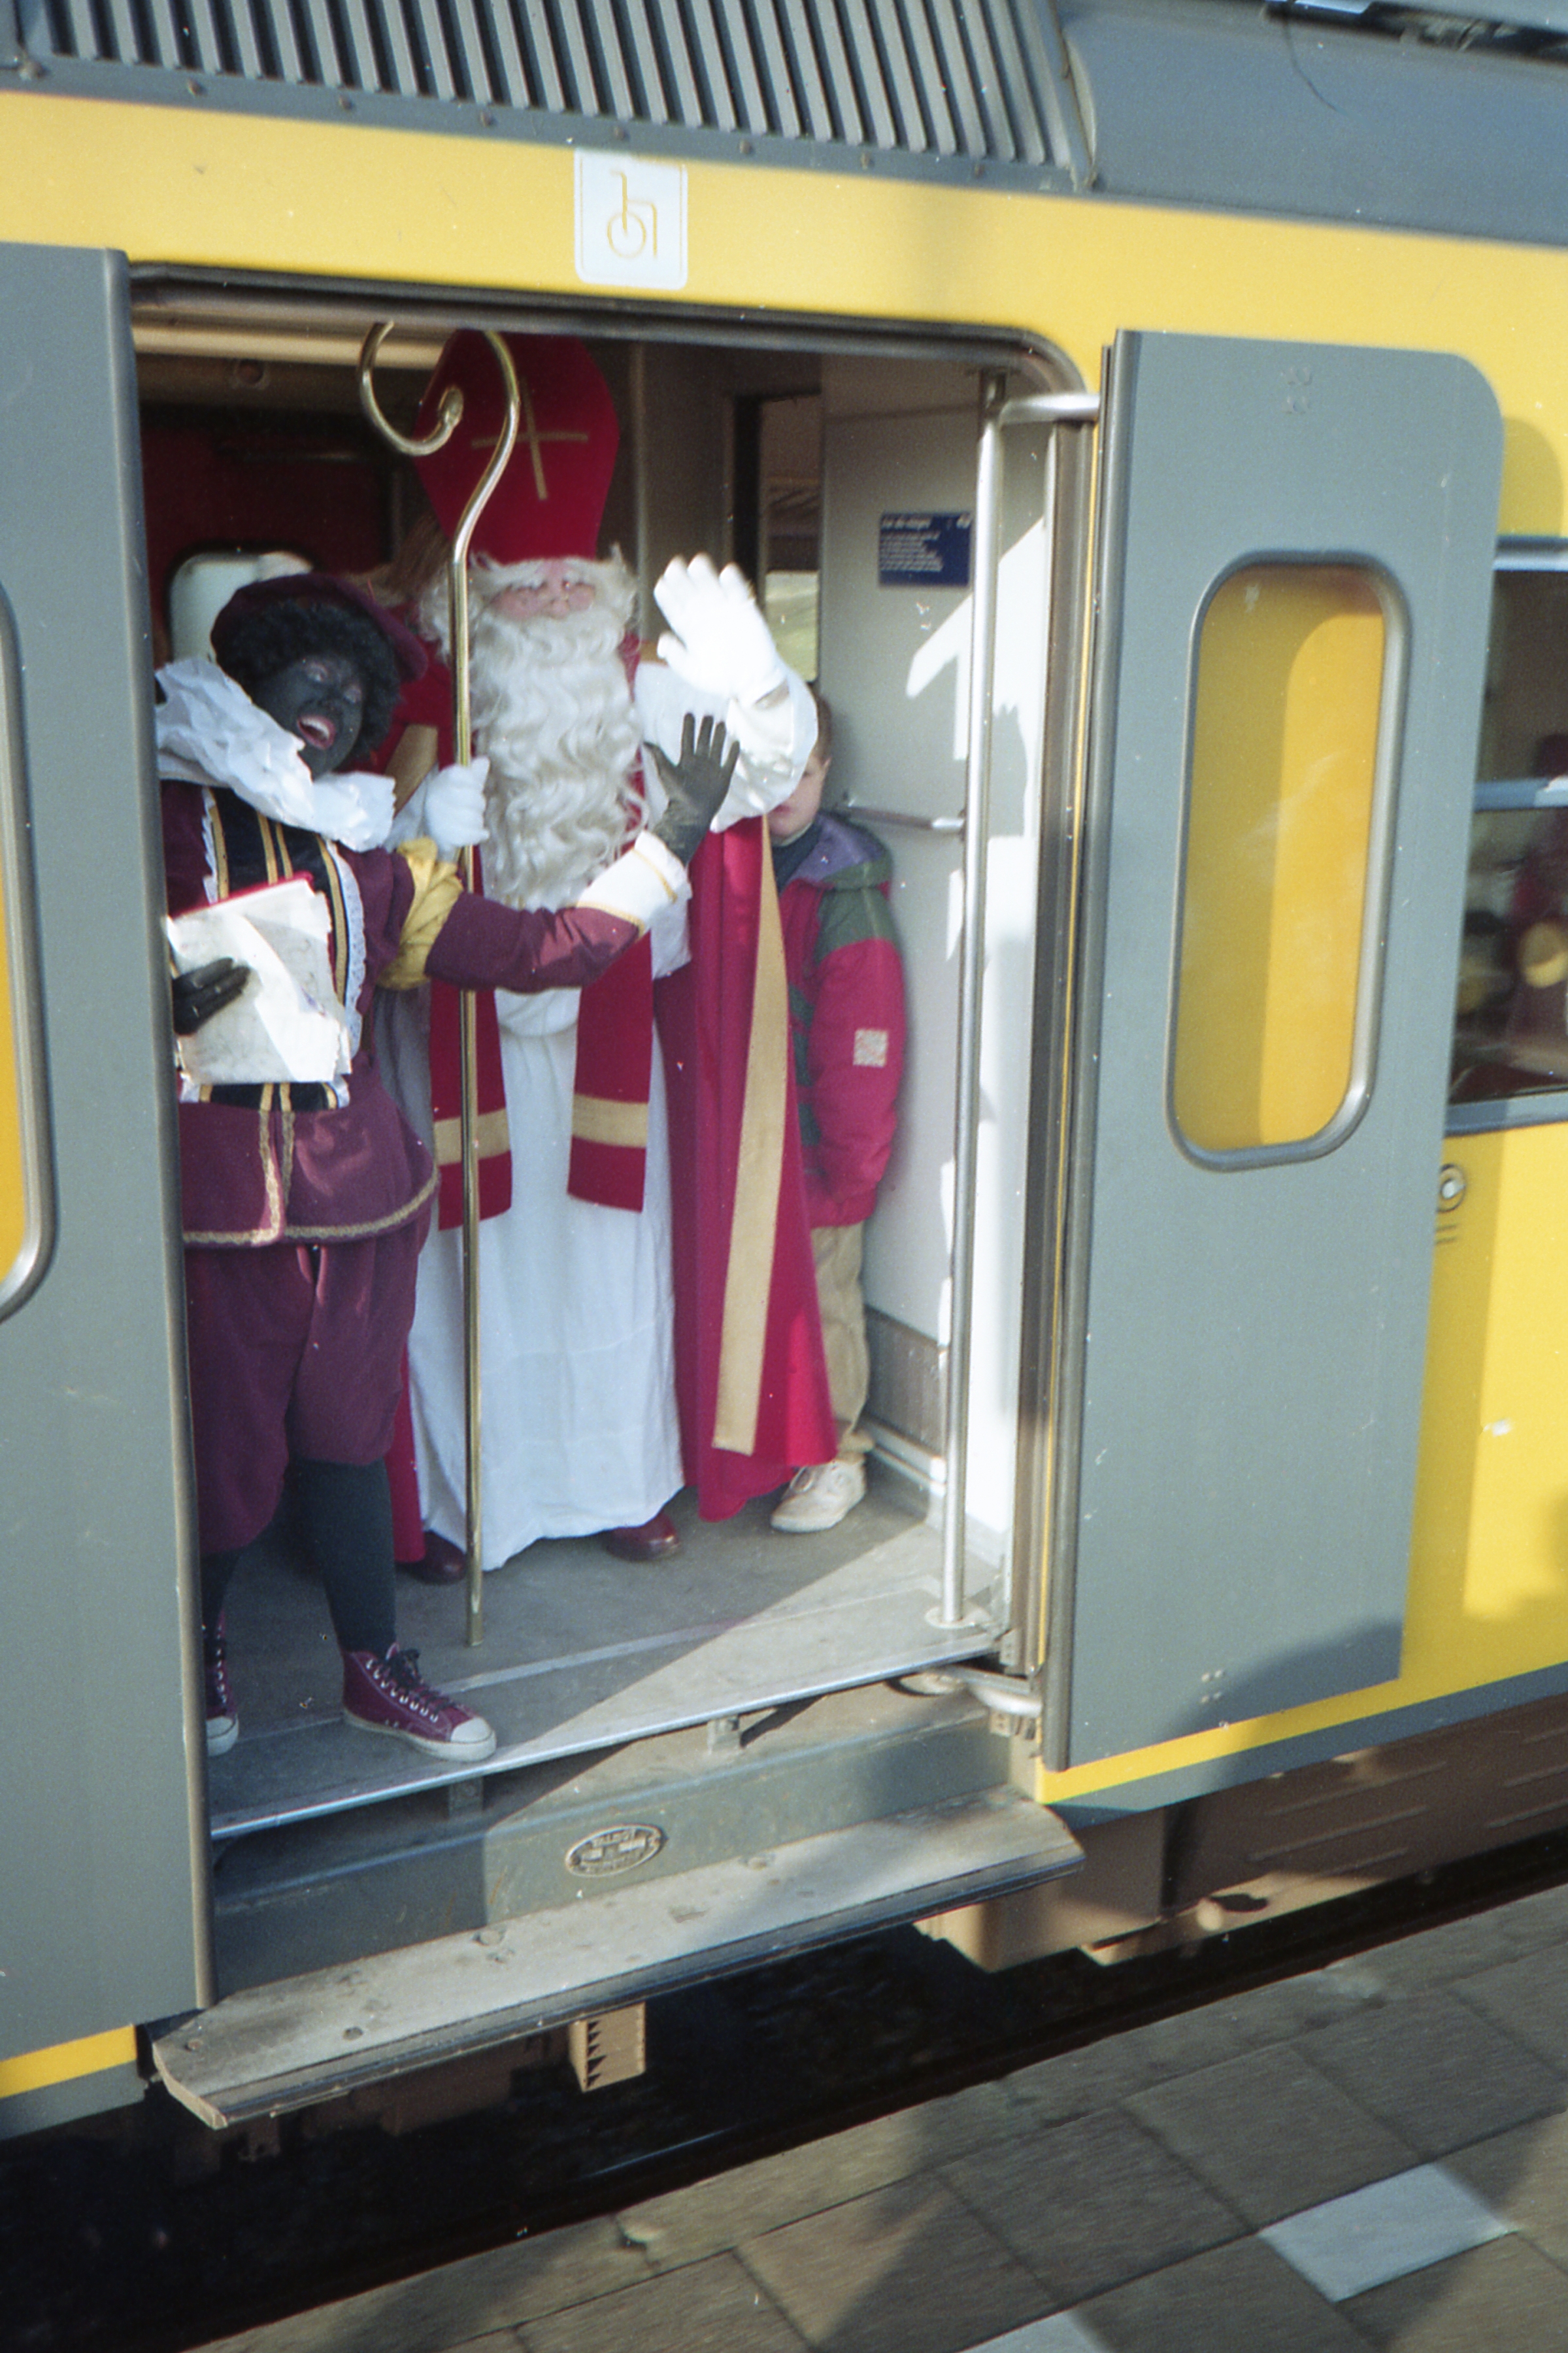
14, 1221
1284, 763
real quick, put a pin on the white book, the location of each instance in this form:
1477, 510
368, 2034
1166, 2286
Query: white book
290, 1022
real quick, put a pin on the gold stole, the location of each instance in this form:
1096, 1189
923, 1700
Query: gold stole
753, 1226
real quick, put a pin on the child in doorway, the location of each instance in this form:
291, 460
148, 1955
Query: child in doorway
847, 1029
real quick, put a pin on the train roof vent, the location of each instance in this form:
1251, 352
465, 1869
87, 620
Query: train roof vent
941, 82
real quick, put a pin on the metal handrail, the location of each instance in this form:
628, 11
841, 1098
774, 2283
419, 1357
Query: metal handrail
966, 1108
897, 817
997, 414
1052, 408
457, 589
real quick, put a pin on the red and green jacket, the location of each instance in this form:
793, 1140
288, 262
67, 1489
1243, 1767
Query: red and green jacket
847, 1016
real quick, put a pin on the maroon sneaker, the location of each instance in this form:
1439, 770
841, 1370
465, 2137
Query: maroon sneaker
223, 1725
391, 1695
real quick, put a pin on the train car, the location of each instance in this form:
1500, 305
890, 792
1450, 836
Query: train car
1147, 419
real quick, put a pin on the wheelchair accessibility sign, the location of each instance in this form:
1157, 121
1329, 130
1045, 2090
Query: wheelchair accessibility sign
631, 222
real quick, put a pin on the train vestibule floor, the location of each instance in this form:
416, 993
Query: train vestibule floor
582, 1652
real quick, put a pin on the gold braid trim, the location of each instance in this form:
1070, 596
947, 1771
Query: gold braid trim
753, 1226
220, 876
369, 1231
275, 850
272, 1174
437, 887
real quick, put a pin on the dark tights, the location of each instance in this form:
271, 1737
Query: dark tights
345, 1513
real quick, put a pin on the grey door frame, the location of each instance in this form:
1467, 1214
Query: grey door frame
103, 1850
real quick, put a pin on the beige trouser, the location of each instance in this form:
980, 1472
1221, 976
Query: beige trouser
837, 1251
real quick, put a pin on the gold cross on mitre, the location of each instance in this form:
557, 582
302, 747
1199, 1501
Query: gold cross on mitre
534, 436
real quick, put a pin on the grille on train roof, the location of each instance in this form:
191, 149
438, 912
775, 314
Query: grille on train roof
962, 81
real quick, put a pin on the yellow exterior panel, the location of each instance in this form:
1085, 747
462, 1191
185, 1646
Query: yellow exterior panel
1488, 1594
1488, 1578
343, 200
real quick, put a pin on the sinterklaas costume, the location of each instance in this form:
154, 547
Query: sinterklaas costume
635, 1332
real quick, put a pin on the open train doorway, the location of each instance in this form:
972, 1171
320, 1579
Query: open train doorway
844, 479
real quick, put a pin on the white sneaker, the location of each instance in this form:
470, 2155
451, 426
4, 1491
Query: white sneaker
819, 1496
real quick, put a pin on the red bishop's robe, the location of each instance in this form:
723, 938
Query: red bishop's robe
750, 1371
750, 1377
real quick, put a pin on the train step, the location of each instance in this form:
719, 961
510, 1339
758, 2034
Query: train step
312, 1894
287, 2045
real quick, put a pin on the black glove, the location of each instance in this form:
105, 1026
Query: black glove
696, 784
199, 995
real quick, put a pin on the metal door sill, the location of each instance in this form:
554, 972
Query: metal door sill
277, 2048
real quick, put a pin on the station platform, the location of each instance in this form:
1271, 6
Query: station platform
1372, 2154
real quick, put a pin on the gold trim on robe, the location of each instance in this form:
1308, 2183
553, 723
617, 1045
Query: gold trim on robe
600, 1119
747, 1276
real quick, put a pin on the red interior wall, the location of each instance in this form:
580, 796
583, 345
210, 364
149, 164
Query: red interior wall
258, 482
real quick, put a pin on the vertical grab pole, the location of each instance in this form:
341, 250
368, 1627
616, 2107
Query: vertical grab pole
462, 736
462, 731
966, 1109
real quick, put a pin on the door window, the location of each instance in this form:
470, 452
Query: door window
26, 1210
1280, 820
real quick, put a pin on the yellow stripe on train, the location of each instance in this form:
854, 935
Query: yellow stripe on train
64, 2063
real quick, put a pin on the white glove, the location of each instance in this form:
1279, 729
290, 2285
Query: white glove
455, 803
718, 640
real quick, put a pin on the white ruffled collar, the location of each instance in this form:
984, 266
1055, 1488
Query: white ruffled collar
210, 732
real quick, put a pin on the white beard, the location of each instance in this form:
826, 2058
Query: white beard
553, 709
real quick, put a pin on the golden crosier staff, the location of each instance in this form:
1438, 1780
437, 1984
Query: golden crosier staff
462, 732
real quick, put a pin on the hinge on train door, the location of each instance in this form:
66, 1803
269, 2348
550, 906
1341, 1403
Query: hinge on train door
14, 54
1064, 110
1052, 408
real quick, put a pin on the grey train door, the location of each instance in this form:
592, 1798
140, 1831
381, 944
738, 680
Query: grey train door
1294, 551
102, 1920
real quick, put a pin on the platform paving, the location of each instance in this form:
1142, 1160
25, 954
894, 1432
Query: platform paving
1374, 2154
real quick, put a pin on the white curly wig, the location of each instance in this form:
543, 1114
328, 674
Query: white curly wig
552, 708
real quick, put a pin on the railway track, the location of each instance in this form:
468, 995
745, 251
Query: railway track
151, 2236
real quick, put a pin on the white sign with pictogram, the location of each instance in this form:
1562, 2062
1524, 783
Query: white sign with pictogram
631, 222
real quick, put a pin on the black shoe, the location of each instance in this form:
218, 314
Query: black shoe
656, 1539
444, 1563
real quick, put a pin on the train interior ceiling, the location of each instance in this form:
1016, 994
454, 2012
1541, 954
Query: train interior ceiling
786, 459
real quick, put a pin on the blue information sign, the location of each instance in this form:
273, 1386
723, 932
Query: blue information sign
923, 550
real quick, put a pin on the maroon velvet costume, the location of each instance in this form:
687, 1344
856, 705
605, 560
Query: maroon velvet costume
303, 1216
